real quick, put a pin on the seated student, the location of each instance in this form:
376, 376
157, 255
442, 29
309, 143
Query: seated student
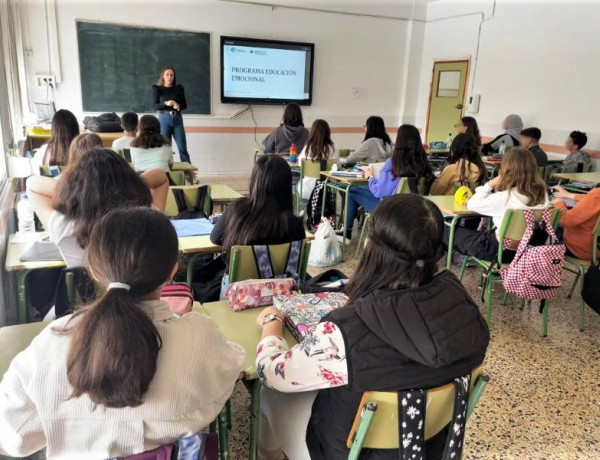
517, 186
129, 123
530, 140
372, 343
577, 157
319, 147
408, 160
376, 144
579, 221
512, 126
56, 152
151, 149
123, 375
96, 183
469, 125
291, 131
82, 144
465, 165
265, 216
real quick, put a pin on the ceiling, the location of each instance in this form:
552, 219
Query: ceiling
380, 8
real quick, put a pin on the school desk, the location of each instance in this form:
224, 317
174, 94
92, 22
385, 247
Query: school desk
450, 208
37, 138
183, 166
240, 327
222, 194
343, 185
592, 178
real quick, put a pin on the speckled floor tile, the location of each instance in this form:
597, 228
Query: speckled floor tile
543, 400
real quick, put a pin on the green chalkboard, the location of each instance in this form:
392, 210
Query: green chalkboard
119, 64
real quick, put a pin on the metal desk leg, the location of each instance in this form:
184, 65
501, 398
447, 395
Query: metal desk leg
222, 418
22, 296
253, 386
451, 242
344, 214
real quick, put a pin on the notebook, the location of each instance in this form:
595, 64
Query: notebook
303, 312
192, 227
42, 251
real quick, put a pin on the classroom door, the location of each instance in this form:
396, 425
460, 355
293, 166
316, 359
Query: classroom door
446, 98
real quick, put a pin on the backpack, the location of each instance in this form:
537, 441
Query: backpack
105, 123
536, 271
197, 212
314, 206
320, 282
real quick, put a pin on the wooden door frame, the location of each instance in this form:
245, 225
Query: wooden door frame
451, 61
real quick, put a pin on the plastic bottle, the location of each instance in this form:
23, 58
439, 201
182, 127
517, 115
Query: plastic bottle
502, 148
449, 140
25, 215
293, 153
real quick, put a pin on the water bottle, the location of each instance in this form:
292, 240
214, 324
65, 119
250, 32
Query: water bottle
293, 153
502, 148
25, 215
449, 140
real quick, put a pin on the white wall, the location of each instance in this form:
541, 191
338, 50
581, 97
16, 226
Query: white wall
350, 51
539, 59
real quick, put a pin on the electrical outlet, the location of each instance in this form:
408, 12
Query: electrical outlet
42, 81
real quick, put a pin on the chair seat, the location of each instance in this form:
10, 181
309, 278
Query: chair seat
575, 261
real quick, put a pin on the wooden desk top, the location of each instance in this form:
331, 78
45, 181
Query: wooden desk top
446, 204
183, 166
15, 251
240, 327
221, 193
586, 178
347, 180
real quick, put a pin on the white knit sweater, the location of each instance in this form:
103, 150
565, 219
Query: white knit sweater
196, 372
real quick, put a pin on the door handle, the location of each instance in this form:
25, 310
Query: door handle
459, 106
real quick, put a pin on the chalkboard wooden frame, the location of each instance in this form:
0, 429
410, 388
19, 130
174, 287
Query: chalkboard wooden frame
118, 65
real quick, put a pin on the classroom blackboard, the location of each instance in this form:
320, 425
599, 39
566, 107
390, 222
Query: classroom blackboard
119, 64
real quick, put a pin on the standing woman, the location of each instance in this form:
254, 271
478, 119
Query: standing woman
169, 101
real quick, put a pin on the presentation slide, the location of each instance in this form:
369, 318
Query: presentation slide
259, 72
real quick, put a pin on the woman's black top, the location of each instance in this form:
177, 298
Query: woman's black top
160, 94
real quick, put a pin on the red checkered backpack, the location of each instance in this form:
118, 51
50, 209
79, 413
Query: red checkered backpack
536, 271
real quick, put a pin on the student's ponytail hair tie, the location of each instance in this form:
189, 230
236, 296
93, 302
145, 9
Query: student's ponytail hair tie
420, 263
117, 285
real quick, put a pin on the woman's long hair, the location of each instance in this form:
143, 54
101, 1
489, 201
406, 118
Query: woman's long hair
464, 147
519, 170
82, 144
472, 129
65, 128
267, 209
403, 245
376, 128
113, 343
319, 141
149, 136
95, 184
409, 158
292, 115
161, 77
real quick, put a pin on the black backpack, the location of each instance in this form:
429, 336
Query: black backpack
105, 123
314, 206
197, 212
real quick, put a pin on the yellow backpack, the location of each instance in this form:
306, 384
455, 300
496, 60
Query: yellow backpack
462, 195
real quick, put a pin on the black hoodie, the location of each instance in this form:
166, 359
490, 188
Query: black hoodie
397, 340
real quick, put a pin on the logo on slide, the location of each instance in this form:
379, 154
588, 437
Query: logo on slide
232, 49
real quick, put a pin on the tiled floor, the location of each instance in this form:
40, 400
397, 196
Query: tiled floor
543, 401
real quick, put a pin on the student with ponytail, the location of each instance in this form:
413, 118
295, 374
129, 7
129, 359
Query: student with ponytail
406, 325
123, 375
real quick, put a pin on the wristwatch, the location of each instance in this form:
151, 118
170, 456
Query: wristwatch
272, 317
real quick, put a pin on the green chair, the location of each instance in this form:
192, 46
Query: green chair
513, 227
580, 267
402, 188
310, 168
177, 177
376, 423
243, 263
190, 193
544, 172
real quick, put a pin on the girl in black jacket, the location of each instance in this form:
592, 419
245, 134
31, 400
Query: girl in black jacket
405, 326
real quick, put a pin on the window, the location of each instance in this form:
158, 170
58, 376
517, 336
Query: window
448, 83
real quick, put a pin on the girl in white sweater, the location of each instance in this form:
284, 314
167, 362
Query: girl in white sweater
121, 376
518, 186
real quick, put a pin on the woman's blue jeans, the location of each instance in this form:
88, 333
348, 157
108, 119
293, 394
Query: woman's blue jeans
359, 196
172, 126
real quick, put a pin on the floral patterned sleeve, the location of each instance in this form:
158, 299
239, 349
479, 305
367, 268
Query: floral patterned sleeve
318, 362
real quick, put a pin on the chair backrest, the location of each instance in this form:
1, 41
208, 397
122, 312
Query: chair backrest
383, 432
544, 172
596, 241
404, 186
585, 167
514, 225
190, 193
242, 264
177, 177
310, 168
